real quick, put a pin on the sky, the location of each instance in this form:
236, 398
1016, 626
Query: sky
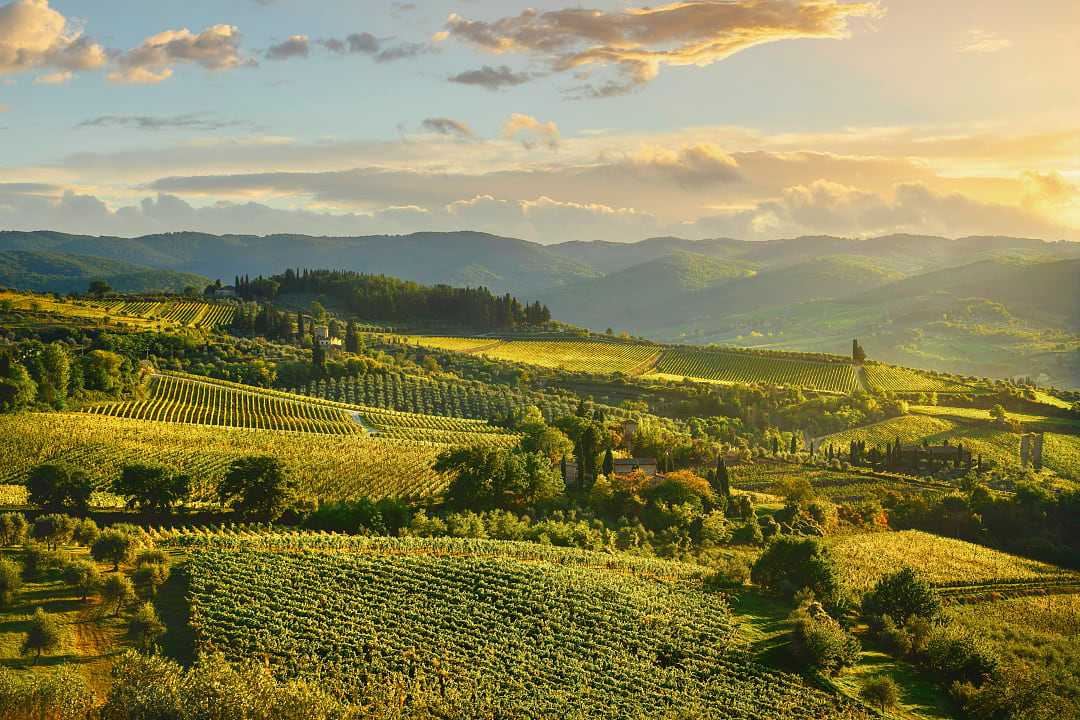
551, 121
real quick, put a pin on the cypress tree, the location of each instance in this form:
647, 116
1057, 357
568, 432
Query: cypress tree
722, 479
609, 463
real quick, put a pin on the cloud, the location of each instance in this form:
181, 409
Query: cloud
984, 41
294, 46
57, 78
215, 48
639, 41
189, 121
531, 131
491, 78
365, 43
447, 126
34, 35
690, 165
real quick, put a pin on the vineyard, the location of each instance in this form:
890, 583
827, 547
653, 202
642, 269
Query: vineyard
179, 398
837, 485
585, 356
947, 563
734, 367
621, 639
207, 316
328, 466
887, 378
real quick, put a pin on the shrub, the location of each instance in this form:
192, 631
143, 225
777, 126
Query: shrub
820, 642
85, 532
10, 581
881, 692
38, 560
148, 577
730, 572
62, 695
13, 529
960, 658
145, 627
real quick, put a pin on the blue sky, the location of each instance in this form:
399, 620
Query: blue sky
745, 118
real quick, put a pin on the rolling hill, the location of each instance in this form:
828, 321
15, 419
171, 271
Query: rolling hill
64, 272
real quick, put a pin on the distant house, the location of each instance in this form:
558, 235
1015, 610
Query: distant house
325, 341
227, 291
622, 466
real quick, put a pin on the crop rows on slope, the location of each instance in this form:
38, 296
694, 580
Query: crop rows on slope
335, 467
945, 562
887, 378
571, 355
191, 314
527, 635
180, 400
735, 367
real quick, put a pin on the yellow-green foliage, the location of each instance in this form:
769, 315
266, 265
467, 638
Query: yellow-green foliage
864, 558
189, 314
736, 367
575, 355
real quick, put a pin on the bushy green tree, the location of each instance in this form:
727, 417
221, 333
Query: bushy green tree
13, 528
152, 488
83, 575
117, 590
42, 636
901, 596
53, 529
789, 565
58, 487
487, 477
881, 692
113, 546
258, 488
58, 695
821, 642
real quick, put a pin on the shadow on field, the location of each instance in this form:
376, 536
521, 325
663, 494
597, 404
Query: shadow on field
172, 607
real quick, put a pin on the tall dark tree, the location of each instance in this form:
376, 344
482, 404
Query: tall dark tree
723, 481
352, 338
609, 463
257, 487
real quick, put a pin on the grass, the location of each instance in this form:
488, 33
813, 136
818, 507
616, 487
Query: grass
89, 639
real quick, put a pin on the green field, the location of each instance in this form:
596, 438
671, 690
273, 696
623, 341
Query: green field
203, 315
887, 378
564, 631
836, 485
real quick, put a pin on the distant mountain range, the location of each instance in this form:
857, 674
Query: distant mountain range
993, 306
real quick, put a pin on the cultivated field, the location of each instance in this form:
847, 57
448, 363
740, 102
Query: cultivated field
734, 367
621, 638
332, 466
189, 314
886, 378
864, 558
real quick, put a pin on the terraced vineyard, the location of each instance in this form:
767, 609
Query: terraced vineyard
588, 356
329, 466
734, 367
887, 378
189, 314
613, 637
836, 485
947, 563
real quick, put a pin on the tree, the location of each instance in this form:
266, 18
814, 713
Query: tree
54, 376
858, 355
609, 463
880, 692
98, 288
13, 528
352, 338
42, 636
83, 575
998, 414
901, 596
102, 370
56, 487
86, 532
145, 627
257, 487
789, 565
117, 590
820, 641
10, 581
113, 546
55, 529
487, 478
722, 481
151, 487
148, 577
17, 388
